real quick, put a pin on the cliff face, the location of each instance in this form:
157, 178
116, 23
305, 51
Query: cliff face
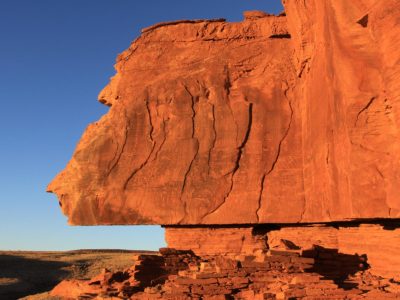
274, 119
348, 91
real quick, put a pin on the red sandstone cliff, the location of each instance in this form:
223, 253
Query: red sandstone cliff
274, 119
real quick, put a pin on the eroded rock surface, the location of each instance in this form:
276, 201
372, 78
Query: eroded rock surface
290, 118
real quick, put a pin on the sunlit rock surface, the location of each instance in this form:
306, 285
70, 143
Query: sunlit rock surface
290, 118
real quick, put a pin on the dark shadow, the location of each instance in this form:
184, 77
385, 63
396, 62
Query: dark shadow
259, 229
20, 276
263, 229
363, 21
391, 225
280, 36
336, 266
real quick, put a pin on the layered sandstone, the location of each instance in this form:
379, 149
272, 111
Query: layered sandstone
290, 118
379, 243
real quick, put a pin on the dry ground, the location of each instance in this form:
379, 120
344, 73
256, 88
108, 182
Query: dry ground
24, 273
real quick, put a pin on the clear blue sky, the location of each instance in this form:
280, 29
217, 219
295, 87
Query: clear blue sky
55, 57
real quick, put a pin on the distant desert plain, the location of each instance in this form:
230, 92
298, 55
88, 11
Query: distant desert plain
30, 275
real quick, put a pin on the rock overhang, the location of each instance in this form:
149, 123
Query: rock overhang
262, 121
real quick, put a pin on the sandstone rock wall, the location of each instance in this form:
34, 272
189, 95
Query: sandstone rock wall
274, 119
379, 243
224, 241
348, 72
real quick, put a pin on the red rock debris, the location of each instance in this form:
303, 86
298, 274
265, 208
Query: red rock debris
317, 273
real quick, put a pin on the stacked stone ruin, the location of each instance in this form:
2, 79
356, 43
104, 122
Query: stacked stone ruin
313, 274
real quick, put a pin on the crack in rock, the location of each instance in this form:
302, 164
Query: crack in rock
364, 109
162, 142
123, 145
214, 139
142, 165
238, 158
194, 157
276, 157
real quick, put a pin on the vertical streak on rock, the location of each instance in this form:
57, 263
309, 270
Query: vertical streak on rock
228, 83
122, 148
150, 121
237, 162
364, 109
260, 197
284, 135
278, 152
193, 112
151, 151
245, 139
195, 155
162, 142
214, 139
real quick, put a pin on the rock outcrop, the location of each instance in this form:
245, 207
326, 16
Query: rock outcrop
269, 149
291, 118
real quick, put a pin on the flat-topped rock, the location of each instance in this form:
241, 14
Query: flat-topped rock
255, 14
162, 24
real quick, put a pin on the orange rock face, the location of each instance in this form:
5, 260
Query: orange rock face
380, 243
274, 119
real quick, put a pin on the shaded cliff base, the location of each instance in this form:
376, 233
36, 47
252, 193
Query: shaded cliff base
315, 261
